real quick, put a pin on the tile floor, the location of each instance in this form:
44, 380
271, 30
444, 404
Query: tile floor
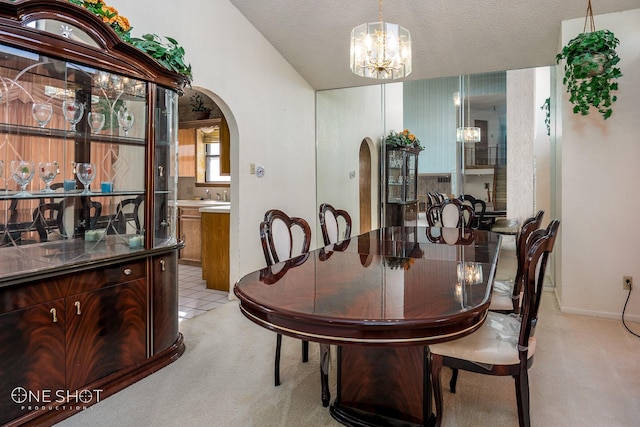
193, 296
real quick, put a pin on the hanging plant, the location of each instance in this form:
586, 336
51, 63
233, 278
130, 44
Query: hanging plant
546, 107
590, 69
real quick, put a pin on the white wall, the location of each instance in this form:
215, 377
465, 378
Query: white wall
345, 117
520, 136
270, 110
542, 146
600, 178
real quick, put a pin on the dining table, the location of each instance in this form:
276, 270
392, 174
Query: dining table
381, 297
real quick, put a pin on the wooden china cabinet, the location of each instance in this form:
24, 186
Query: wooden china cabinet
88, 247
401, 185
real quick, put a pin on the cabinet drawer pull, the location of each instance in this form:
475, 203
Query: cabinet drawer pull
77, 304
127, 272
54, 315
162, 265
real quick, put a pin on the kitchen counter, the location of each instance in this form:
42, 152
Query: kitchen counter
192, 203
216, 209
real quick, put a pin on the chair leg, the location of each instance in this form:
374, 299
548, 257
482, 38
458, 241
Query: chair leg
454, 380
325, 355
324, 382
436, 367
522, 397
305, 351
277, 367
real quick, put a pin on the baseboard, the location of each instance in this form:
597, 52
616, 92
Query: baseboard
601, 314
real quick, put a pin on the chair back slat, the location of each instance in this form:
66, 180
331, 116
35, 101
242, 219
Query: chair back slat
329, 223
541, 244
283, 237
48, 220
479, 208
529, 226
451, 213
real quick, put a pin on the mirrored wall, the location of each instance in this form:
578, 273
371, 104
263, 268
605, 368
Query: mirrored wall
501, 168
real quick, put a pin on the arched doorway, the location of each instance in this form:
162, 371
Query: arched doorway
365, 186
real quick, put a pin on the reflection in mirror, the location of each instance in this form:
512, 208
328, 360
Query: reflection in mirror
347, 117
63, 29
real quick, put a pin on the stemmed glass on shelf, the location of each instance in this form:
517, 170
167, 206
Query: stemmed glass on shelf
96, 121
85, 172
41, 112
125, 120
73, 111
22, 172
48, 172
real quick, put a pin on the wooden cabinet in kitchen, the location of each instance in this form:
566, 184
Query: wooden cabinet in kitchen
189, 230
215, 247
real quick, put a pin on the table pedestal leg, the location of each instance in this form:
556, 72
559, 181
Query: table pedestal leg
382, 386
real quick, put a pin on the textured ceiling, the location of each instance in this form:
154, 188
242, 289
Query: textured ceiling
449, 37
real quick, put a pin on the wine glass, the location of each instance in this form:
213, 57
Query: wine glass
41, 112
22, 172
48, 172
125, 120
96, 121
73, 111
85, 173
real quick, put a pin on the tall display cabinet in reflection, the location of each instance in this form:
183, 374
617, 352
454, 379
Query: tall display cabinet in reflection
88, 248
401, 186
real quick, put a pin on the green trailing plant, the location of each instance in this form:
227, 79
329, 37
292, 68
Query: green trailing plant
198, 105
169, 54
590, 69
546, 107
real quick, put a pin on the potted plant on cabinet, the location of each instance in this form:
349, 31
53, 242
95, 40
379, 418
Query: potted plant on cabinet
590, 69
403, 139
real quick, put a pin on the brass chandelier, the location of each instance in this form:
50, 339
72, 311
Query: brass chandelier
380, 50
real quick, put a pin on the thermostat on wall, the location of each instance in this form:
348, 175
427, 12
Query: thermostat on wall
259, 171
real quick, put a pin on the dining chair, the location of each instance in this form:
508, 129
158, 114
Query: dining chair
450, 236
451, 213
281, 235
506, 295
479, 208
329, 224
504, 345
48, 221
127, 220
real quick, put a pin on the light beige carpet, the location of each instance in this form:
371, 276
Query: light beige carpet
586, 373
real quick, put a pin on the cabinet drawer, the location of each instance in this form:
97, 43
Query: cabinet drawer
102, 277
123, 273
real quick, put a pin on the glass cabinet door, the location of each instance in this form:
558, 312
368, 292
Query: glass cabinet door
401, 176
165, 173
410, 182
73, 143
395, 176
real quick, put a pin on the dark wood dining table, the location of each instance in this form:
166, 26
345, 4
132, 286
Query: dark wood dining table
382, 297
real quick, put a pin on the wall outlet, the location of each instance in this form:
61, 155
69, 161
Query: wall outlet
627, 282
